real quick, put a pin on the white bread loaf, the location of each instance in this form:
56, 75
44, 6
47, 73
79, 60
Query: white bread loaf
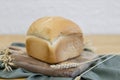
54, 39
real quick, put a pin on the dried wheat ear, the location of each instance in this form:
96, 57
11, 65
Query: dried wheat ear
6, 59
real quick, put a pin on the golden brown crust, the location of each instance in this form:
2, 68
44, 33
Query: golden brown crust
54, 39
51, 27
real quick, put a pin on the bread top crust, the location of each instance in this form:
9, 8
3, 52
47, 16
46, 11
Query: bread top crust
50, 28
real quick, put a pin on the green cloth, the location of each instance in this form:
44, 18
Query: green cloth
109, 70
21, 73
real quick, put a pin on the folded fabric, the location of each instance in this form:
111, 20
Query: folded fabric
108, 70
21, 73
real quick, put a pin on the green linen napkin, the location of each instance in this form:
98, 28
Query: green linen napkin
108, 70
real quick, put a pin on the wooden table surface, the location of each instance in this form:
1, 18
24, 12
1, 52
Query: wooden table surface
104, 44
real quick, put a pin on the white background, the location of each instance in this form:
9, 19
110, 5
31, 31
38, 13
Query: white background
93, 16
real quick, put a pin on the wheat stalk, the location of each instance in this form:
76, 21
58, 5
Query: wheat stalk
6, 59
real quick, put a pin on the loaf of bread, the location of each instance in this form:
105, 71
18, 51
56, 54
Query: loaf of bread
54, 39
